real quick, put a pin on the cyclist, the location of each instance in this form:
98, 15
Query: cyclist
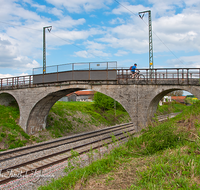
133, 68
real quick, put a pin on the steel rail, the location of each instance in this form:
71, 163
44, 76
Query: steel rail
56, 154
61, 140
165, 117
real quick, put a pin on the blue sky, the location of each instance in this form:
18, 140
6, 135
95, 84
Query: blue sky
96, 31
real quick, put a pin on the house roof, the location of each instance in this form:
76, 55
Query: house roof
81, 93
178, 98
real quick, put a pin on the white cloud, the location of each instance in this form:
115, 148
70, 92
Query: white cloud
185, 62
117, 21
129, 9
179, 32
5, 75
121, 53
91, 54
78, 6
83, 54
94, 45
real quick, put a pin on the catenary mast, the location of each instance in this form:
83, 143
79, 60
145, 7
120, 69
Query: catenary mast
44, 47
141, 15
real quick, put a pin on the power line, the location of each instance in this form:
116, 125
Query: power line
152, 30
77, 46
57, 37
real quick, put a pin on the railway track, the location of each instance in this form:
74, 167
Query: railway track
81, 143
164, 117
59, 150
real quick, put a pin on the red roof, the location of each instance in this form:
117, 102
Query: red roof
82, 93
178, 98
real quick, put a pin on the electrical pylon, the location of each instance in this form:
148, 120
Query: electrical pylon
141, 15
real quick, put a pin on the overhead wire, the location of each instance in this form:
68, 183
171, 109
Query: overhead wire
78, 47
93, 53
57, 37
152, 30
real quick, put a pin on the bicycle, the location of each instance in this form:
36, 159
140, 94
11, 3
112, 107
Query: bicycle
138, 75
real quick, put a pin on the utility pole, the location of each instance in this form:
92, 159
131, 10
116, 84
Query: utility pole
44, 47
141, 15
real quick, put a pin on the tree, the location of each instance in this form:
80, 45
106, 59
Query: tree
176, 93
105, 102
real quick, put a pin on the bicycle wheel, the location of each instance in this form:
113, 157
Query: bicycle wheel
141, 76
136, 76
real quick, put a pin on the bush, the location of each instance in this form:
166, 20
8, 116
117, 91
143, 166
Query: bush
104, 102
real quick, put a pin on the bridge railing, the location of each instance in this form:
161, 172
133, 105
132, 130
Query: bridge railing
76, 67
16, 82
154, 75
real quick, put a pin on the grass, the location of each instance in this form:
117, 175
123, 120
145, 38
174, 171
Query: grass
164, 156
170, 107
11, 134
65, 117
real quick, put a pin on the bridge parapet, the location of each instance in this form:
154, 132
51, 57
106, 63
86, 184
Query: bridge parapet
168, 76
164, 76
90, 66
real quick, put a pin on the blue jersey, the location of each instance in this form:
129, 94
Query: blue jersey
133, 68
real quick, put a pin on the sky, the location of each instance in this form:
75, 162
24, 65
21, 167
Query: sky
98, 31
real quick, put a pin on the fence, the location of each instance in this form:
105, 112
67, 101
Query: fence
16, 82
106, 72
157, 76
76, 67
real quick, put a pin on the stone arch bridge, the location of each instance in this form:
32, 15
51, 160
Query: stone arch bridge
139, 98
140, 101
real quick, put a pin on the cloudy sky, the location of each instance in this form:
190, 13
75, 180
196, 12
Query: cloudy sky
96, 31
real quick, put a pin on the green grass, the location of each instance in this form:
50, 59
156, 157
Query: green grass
63, 114
170, 107
11, 134
171, 151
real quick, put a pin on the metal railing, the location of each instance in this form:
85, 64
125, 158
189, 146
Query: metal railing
16, 82
154, 75
76, 67
178, 76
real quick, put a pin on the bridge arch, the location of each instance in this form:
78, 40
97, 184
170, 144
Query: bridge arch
38, 115
6, 99
155, 101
